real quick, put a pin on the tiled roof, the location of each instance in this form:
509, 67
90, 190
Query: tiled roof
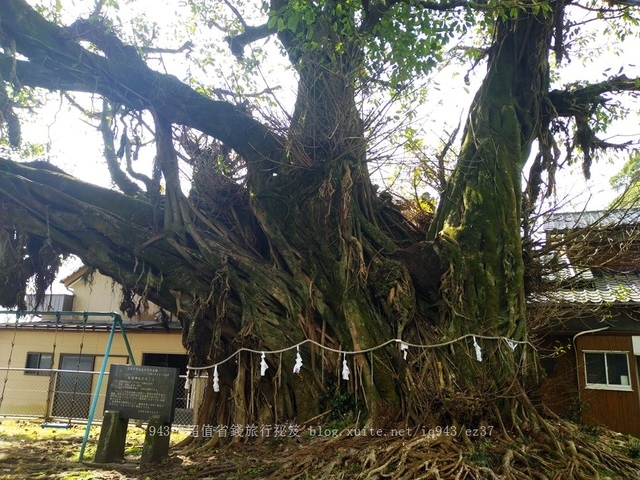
8, 322
564, 271
563, 221
582, 286
618, 289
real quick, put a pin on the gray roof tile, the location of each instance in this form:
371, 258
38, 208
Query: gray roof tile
619, 289
564, 221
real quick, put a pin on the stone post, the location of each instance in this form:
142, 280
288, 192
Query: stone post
113, 436
156, 441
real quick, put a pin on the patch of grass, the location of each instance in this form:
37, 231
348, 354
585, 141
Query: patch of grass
254, 471
354, 467
633, 447
482, 456
30, 432
133, 450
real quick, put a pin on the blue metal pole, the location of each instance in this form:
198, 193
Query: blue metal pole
117, 321
118, 318
94, 403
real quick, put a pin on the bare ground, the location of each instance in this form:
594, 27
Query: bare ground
28, 451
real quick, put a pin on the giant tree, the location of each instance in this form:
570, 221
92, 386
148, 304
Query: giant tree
282, 236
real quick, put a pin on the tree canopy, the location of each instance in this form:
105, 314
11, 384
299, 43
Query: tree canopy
281, 235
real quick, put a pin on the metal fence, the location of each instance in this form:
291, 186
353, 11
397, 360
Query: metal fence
66, 395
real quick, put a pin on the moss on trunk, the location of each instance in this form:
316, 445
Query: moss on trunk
477, 225
305, 249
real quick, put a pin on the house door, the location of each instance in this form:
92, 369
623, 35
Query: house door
73, 389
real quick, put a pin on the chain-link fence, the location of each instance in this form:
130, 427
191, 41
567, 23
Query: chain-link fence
66, 395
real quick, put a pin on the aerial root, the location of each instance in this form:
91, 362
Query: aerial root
558, 451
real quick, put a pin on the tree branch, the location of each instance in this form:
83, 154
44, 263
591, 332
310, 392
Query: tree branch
113, 233
188, 45
375, 10
578, 100
249, 35
58, 62
626, 3
110, 231
236, 12
121, 180
580, 103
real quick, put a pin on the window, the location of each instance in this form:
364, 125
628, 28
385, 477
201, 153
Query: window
38, 361
607, 370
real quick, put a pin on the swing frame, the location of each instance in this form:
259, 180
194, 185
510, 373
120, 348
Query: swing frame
116, 323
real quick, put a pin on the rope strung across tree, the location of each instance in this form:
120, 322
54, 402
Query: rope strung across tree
404, 346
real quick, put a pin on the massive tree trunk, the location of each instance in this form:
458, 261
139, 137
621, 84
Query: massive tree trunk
304, 249
477, 226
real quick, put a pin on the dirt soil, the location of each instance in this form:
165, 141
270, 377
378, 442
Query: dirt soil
29, 451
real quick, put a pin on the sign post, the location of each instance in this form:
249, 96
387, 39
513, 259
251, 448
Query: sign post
117, 322
140, 393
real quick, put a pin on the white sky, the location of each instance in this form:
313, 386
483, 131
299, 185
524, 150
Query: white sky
77, 148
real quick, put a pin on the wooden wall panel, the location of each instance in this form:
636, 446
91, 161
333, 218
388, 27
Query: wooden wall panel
617, 410
559, 389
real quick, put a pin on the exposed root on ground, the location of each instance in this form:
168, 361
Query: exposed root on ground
570, 454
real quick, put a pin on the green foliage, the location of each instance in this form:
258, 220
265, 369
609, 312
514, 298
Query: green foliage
627, 182
483, 456
633, 447
406, 41
409, 41
561, 348
629, 174
340, 406
27, 150
296, 16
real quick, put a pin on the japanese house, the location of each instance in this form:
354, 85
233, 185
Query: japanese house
45, 359
589, 318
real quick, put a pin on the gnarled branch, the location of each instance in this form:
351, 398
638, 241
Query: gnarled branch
577, 100
57, 61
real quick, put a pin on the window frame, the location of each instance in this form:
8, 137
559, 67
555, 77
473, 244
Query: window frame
607, 386
39, 370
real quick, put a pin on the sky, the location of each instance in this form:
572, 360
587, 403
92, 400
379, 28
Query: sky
76, 146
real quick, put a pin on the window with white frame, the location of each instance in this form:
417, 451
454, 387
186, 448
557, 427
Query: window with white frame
607, 370
38, 363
